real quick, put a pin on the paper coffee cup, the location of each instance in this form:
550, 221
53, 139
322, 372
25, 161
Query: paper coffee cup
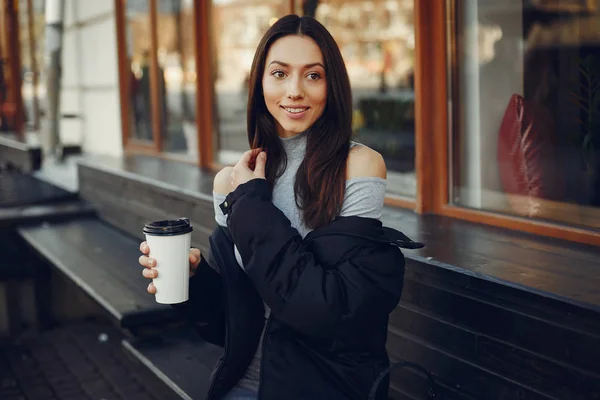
170, 243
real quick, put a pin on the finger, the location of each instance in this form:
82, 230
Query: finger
150, 273
261, 162
248, 157
194, 257
144, 248
151, 288
147, 262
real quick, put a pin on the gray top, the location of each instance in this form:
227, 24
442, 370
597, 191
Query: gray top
363, 197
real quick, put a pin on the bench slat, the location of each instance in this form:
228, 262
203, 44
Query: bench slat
103, 262
36, 214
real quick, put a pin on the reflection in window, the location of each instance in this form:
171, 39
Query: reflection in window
377, 42
527, 111
138, 37
238, 26
27, 66
32, 60
39, 27
177, 66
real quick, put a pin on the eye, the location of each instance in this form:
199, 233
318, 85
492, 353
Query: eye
313, 76
278, 73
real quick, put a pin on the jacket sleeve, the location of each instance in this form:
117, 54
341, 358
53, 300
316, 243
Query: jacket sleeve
205, 307
315, 299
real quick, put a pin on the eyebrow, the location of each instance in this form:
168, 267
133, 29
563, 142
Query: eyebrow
305, 66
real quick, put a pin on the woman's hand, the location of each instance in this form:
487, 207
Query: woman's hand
251, 166
149, 263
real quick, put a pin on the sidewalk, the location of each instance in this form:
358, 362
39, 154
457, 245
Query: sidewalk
79, 361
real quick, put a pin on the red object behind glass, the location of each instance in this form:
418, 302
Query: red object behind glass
528, 156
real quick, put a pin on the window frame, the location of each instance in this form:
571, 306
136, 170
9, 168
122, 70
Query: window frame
11, 48
437, 29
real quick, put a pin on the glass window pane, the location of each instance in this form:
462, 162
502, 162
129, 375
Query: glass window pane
177, 76
377, 42
138, 38
39, 27
526, 137
237, 26
27, 66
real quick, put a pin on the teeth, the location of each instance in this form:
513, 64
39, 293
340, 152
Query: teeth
295, 110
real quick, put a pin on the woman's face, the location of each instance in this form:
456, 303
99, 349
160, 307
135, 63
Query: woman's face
294, 84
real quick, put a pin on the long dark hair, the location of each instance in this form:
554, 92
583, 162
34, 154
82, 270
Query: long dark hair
320, 181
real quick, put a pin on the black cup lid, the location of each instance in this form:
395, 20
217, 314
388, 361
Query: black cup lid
170, 227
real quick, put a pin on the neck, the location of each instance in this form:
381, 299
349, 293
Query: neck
287, 135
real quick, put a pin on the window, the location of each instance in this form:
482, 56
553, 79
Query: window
177, 77
27, 66
158, 78
31, 37
377, 41
237, 27
139, 51
526, 95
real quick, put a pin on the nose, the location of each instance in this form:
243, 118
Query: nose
295, 90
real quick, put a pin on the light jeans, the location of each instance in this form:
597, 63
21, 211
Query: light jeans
238, 393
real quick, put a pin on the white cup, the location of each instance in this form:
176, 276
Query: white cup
170, 243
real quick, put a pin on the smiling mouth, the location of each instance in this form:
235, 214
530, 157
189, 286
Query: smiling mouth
295, 110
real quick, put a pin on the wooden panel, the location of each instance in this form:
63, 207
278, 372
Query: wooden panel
549, 267
452, 371
400, 202
122, 68
155, 93
481, 337
10, 47
431, 112
520, 224
204, 82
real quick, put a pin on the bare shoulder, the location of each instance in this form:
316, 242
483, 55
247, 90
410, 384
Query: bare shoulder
365, 162
222, 182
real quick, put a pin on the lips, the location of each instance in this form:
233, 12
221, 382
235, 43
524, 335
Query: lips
295, 112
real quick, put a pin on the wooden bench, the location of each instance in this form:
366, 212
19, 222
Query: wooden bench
182, 360
24, 200
102, 261
17, 154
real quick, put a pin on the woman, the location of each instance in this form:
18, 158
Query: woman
307, 276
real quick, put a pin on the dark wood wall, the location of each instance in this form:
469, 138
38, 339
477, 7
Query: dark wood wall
128, 204
481, 339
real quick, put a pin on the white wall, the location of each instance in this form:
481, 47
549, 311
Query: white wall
90, 86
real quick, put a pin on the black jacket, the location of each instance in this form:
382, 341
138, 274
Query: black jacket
330, 296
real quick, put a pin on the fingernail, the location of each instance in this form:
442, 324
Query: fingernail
263, 154
151, 262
